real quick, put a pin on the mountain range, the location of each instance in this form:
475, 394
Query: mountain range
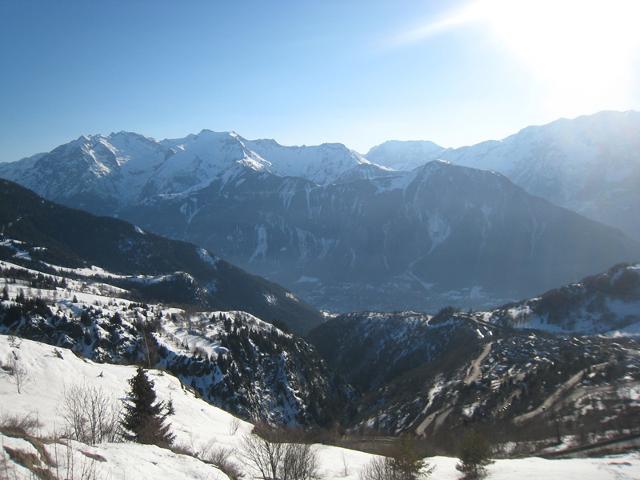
396, 229
589, 164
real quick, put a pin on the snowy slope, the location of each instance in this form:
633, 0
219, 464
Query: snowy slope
606, 303
232, 359
322, 164
199, 425
76, 461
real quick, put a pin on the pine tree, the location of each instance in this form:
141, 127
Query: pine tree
144, 418
5, 293
475, 453
171, 410
405, 462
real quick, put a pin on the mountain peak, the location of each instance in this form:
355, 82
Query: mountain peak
404, 155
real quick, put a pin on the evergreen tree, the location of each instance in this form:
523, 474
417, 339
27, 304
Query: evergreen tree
475, 453
85, 319
5, 293
116, 319
144, 418
171, 410
405, 462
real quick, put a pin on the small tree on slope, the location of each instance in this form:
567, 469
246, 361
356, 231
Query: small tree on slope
475, 455
404, 463
144, 418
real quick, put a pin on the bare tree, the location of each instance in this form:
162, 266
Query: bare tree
18, 374
234, 426
377, 469
270, 455
69, 463
262, 456
345, 466
299, 463
91, 415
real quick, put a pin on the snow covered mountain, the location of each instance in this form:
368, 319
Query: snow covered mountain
590, 164
404, 155
231, 359
101, 173
340, 231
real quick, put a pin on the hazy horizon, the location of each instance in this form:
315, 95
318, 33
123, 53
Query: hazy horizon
363, 152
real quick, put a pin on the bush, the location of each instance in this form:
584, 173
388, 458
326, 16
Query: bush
221, 458
26, 425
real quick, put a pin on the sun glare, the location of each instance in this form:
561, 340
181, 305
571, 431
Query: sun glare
583, 51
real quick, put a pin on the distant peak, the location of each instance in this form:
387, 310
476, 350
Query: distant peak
407, 143
84, 138
226, 133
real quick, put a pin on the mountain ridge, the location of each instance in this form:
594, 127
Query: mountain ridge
588, 164
341, 231
73, 238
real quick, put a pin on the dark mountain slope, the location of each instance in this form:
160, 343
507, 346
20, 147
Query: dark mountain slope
439, 235
440, 374
72, 238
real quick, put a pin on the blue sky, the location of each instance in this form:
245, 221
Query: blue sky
302, 72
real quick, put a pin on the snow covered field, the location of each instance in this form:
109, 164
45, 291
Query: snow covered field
198, 425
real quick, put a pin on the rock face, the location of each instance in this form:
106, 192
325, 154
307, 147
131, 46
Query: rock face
341, 232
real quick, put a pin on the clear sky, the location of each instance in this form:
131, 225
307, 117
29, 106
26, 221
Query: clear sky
306, 72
